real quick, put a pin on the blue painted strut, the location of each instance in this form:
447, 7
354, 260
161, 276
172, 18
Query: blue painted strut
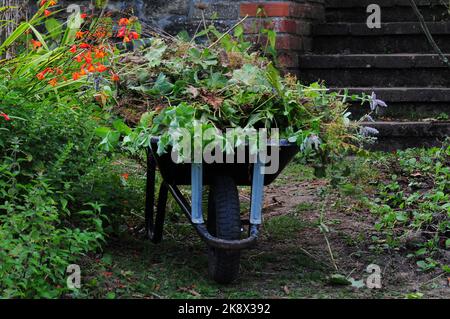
197, 193
257, 193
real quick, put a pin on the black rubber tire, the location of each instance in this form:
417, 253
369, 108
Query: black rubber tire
224, 222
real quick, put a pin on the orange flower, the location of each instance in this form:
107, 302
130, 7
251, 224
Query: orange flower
126, 39
79, 34
99, 54
53, 82
101, 68
36, 44
76, 76
91, 68
82, 72
51, 3
42, 74
125, 176
115, 77
124, 21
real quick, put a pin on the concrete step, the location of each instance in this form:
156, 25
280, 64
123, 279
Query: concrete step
391, 10
393, 37
383, 70
404, 103
400, 135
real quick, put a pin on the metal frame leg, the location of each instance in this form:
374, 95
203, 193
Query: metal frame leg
150, 193
257, 193
197, 193
160, 214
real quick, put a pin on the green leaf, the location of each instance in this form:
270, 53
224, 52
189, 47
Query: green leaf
54, 28
121, 127
21, 29
162, 85
155, 54
102, 131
339, 280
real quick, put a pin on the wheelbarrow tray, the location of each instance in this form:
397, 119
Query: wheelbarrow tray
180, 173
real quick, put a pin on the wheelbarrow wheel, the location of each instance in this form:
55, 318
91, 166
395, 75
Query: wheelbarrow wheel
224, 222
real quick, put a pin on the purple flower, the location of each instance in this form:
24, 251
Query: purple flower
311, 142
374, 102
368, 131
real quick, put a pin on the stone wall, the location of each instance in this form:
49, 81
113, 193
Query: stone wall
291, 19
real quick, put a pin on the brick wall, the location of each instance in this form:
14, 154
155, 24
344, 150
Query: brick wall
292, 20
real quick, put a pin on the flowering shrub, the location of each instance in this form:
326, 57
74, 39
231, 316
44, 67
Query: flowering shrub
52, 209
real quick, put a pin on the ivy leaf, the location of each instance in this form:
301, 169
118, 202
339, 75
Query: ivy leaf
155, 54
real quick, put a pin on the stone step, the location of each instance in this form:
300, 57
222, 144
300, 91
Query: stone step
404, 103
376, 70
381, 3
391, 11
393, 37
400, 135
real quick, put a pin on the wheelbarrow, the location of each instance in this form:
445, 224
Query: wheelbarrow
223, 229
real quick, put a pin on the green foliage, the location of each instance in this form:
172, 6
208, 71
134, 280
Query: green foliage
414, 206
58, 193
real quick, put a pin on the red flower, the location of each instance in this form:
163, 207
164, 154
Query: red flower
5, 116
88, 57
134, 35
76, 76
73, 49
47, 13
42, 74
83, 16
122, 32
84, 46
125, 176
